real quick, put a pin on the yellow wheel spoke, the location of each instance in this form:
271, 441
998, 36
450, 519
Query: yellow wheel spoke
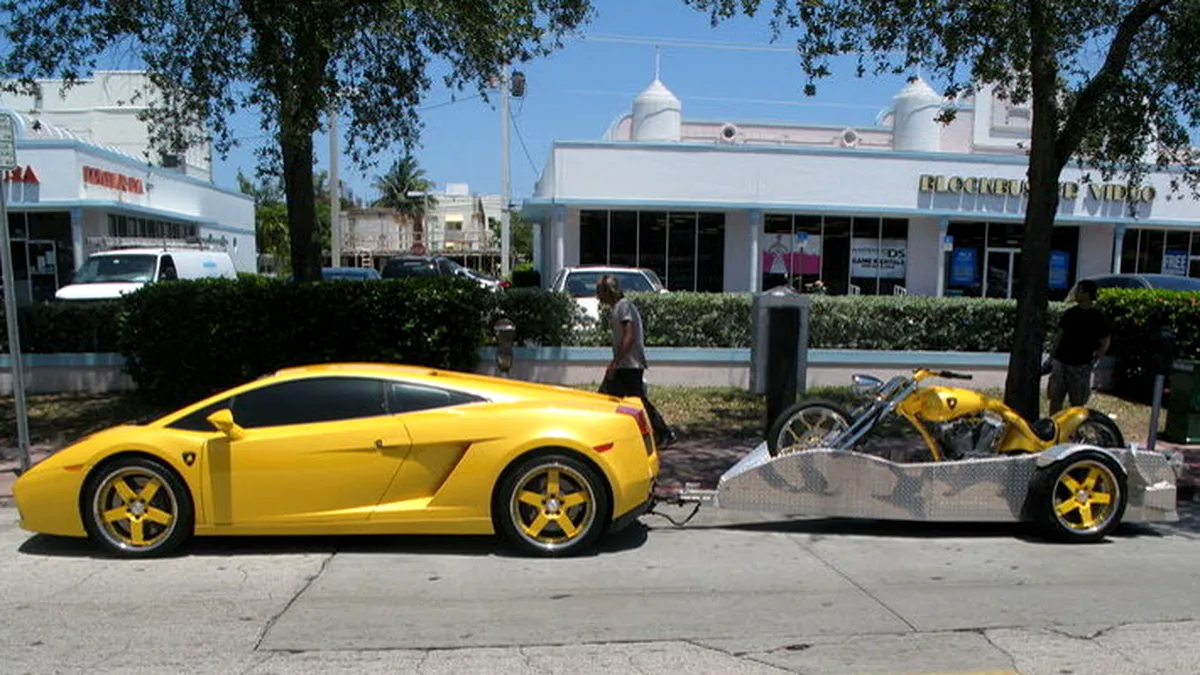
1090, 482
123, 490
567, 526
552, 485
158, 516
530, 498
574, 499
1101, 498
114, 515
1071, 483
535, 528
1065, 507
1085, 516
150, 490
136, 533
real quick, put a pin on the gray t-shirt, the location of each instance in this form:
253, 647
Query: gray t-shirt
624, 311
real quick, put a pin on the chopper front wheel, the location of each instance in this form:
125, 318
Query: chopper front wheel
806, 425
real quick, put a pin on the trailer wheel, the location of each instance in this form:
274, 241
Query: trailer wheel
1080, 498
806, 425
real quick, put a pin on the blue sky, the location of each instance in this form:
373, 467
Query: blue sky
576, 93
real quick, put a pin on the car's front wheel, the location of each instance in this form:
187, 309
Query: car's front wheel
136, 507
551, 505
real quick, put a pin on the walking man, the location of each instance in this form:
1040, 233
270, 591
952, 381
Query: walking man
624, 375
1083, 338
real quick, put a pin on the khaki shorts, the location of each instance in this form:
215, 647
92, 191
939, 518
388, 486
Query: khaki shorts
1072, 382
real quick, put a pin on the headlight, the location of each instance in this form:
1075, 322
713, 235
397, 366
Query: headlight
865, 384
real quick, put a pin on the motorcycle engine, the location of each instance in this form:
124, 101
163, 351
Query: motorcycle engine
970, 436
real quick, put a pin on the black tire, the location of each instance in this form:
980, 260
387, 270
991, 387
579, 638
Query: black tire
781, 435
1098, 430
1061, 501
119, 488
534, 517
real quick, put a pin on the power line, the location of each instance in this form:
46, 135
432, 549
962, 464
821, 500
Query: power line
724, 99
521, 140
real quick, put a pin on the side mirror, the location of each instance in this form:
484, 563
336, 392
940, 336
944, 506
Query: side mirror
222, 420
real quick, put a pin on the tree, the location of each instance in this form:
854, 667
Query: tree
293, 61
1109, 82
394, 187
521, 232
270, 218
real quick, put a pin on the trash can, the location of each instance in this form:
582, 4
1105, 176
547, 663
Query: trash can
1183, 408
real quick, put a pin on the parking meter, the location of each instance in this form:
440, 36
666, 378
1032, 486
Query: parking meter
1160, 362
779, 350
506, 332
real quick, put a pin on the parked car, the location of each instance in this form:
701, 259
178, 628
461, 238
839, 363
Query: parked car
356, 449
350, 274
1165, 282
580, 283
111, 274
408, 266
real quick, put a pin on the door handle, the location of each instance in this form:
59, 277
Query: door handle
381, 443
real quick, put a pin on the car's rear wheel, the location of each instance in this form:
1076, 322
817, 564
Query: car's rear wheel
551, 505
136, 507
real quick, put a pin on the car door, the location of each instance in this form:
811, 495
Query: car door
314, 451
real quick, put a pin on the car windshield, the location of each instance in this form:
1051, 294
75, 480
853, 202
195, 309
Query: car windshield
582, 284
101, 269
411, 268
335, 273
1169, 282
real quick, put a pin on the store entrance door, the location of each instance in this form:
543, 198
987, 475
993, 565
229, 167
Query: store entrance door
1003, 266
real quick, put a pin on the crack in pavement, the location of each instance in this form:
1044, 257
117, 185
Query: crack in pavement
852, 582
304, 587
743, 656
1012, 660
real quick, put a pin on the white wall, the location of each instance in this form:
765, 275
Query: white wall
921, 275
738, 254
1095, 250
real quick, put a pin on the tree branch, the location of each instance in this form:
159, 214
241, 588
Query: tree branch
1089, 99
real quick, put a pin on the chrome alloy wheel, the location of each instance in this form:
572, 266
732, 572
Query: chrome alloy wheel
1086, 496
135, 509
552, 506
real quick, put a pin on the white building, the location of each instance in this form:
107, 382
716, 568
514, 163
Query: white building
905, 206
70, 197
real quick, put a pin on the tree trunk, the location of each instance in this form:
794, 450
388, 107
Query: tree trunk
1022, 390
297, 150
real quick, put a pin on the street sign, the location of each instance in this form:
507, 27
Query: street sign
8, 161
8, 143
418, 248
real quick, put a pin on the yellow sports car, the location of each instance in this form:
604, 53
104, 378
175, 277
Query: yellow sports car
356, 449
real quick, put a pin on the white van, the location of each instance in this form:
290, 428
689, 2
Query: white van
111, 274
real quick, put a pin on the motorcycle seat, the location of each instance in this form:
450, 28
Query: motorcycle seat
1045, 429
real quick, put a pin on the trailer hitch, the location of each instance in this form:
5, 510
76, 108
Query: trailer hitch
691, 493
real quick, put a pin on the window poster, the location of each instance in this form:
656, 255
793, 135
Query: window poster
783, 253
882, 258
1175, 262
1060, 267
964, 267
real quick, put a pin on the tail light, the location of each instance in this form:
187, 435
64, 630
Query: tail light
643, 425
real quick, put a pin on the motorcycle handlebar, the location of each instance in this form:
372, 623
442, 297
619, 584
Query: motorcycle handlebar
951, 375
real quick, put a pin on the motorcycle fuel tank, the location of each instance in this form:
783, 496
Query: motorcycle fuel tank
941, 404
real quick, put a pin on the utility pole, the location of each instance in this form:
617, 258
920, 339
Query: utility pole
505, 233
8, 161
335, 196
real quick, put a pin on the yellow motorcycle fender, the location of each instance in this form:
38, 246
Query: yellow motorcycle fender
1067, 421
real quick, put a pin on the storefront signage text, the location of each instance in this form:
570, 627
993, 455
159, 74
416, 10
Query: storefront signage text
21, 174
884, 258
110, 179
973, 185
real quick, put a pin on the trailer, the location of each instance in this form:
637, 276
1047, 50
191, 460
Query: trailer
1037, 488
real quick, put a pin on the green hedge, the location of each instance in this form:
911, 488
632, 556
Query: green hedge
1137, 318
837, 322
65, 327
182, 340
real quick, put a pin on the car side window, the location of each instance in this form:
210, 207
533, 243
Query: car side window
445, 266
166, 269
307, 401
198, 420
403, 397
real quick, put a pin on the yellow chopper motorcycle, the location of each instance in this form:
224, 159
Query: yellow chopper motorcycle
1080, 500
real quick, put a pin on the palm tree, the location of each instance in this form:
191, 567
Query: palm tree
394, 187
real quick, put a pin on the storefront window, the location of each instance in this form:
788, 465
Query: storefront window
42, 254
845, 255
1145, 251
986, 260
685, 249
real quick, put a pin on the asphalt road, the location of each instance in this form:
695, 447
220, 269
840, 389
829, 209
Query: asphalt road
729, 593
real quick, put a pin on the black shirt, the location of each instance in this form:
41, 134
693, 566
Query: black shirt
1082, 330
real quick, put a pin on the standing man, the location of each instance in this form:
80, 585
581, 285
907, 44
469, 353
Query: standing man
625, 373
1084, 335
